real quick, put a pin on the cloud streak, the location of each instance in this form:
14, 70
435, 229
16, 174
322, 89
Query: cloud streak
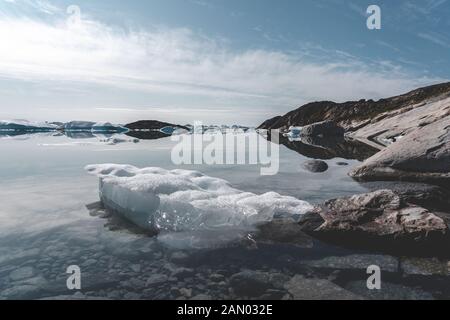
179, 62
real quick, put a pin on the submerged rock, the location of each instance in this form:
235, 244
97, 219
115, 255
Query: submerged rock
355, 261
301, 288
389, 291
251, 283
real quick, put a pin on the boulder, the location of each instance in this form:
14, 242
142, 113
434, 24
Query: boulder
382, 217
423, 155
316, 166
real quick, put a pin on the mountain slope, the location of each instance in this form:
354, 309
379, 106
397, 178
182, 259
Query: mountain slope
353, 114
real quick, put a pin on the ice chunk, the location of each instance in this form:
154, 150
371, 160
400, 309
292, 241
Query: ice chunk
183, 200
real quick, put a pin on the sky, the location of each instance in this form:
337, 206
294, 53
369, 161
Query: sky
216, 61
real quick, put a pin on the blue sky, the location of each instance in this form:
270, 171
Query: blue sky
218, 61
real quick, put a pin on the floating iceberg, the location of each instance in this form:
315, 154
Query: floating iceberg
107, 127
294, 131
168, 130
26, 126
95, 127
183, 200
78, 126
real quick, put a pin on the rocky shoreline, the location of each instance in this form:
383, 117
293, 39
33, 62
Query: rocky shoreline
412, 134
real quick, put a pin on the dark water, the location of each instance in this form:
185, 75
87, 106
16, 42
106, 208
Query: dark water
46, 226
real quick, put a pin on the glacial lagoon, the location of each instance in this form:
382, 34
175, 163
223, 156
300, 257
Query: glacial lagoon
51, 218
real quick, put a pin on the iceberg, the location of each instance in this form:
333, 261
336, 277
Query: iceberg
182, 200
94, 127
108, 127
295, 131
26, 126
168, 130
78, 126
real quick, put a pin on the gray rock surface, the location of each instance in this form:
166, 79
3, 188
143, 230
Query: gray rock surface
323, 128
423, 155
382, 214
301, 288
355, 261
315, 166
255, 283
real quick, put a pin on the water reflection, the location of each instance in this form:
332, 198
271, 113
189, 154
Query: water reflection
328, 148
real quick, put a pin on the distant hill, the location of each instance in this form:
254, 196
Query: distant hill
151, 125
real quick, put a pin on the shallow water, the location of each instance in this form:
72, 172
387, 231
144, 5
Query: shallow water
45, 227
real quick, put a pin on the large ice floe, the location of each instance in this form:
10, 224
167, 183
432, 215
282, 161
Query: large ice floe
182, 201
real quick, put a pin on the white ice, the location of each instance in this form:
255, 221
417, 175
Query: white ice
93, 126
183, 200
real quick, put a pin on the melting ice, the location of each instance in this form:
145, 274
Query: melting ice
183, 201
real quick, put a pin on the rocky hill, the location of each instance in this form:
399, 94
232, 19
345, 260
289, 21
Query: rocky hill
352, 115
151, 125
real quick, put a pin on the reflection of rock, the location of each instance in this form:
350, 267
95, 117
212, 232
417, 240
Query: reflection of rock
147, 135
315, 166
79, 134
324, 128
151, 129
151, 125
329, 148
301, 288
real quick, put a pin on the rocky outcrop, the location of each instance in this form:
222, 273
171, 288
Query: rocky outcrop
422, 155
269, 123
385, 219
381, 213
151, 125
352, 115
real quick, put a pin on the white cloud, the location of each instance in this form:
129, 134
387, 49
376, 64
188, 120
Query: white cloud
180, 63
39, 5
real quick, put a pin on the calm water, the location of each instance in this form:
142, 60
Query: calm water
45, 226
